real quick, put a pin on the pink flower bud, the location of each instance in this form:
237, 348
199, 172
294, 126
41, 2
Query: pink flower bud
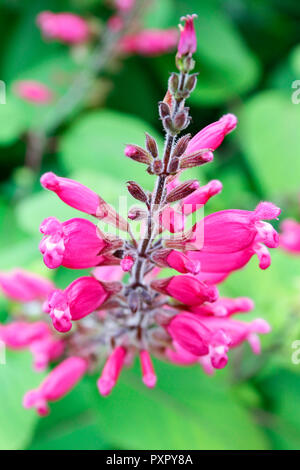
171, 220
83, 199
127, 263
149, 377
82, 297
213, 135
33, 91
188, 41
64, 27
149, 42
186, 289
224, 307
57, 384
138, 154
75, 243
111, 371
24, 286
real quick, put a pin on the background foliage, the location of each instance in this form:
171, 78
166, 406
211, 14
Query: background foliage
248, 57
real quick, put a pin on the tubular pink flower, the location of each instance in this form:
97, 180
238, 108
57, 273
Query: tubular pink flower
176, 260
186, 289
200, 197
79, 299
231, 231
83, 199
72, 193
224, 307
57, 384
212, 135
33, 91
75, 243
149, 376
290, 236
211, 337
21, 334
45, 350
188, 40
64, 27
23, 286
150, 42
111, 371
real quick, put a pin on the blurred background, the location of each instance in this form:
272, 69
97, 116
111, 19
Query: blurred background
248, 58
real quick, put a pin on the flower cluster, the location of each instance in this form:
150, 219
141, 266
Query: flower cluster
104, 318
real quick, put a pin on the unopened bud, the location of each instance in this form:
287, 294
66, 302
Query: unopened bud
181, 145
136, 191
164, 109
157, 167
168, 126
173, 83
173, 166
151, 145
127, 263
137, 154
191, 83
182, 191
181, 120
196, 159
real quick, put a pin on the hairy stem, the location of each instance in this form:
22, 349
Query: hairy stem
158, 196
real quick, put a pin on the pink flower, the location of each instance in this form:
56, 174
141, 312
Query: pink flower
80, 298
290, 236
57, 384
200, 197
212, 135
186, 289
176, 260
188, 41
111, 371
213, 337
23, 286
108, 273
150, 42
20, 334
64, 27
227, 240
224, 307
45, 350
82, 198
75, 243
149, 377
33, 91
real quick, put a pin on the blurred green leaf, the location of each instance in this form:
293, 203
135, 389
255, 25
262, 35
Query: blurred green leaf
187, 410
96, 142
268, 133
282, 392
12, 120
16, 378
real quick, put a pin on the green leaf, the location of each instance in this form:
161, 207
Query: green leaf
281, 390
268, 133
12, 120
96, 142
187, 410
16, 377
